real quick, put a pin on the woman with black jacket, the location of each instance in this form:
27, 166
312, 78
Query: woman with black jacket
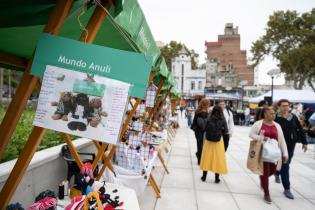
213, 153
199, 124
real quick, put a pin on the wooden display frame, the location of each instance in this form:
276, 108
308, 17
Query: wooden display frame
24, 90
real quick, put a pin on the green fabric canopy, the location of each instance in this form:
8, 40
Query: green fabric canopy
171, 80
163, 70
22, 22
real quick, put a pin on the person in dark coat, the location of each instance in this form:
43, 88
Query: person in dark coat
261, 105
293, 133
213, 152
199, 123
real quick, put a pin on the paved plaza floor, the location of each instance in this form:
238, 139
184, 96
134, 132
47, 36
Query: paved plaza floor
239, 189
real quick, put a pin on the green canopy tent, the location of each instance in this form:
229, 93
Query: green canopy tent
22, 22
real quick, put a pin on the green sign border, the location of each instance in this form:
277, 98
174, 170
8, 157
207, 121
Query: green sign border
129, 67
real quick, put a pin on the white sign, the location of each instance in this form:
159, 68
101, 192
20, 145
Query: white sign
81, 104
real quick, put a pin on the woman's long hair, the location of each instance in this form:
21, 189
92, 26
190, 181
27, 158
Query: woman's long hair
217, 113
203, 106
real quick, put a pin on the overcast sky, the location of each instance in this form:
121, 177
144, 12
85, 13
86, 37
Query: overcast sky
194, 22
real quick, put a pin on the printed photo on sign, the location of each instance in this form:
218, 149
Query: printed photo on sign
81, 104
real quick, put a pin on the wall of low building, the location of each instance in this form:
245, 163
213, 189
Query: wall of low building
46, 171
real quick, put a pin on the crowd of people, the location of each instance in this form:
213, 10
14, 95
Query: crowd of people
213, 127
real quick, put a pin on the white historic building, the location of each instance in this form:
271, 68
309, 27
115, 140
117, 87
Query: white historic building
190, 82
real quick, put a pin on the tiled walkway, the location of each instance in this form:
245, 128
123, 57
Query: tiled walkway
239, 189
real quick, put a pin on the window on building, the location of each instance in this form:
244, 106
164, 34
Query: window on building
182, 85
199, 85
192, 85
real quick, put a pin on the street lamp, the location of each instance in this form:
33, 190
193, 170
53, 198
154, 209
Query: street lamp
273, 73
243, 83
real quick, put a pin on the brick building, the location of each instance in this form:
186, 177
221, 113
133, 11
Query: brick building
229, 56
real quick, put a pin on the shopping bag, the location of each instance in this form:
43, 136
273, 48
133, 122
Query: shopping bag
254, 158
271, 151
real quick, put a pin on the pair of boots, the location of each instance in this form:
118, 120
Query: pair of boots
204, 177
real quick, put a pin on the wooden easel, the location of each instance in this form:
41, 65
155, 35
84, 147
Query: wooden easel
113, 149
153, 113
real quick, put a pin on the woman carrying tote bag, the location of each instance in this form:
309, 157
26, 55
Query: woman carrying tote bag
213, 153
267, 130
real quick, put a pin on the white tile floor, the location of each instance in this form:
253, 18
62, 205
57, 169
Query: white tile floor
239, 189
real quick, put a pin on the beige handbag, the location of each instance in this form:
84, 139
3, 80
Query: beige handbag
254, 159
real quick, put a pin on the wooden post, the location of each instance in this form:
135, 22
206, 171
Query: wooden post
100, 152
53, 26
160, 85
161, 102
20, 166
154, 186
16, 107
162, 161
28, 81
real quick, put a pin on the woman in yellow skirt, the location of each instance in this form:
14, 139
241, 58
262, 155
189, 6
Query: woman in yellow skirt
213, 154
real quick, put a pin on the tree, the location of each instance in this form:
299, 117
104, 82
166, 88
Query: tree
290, 38
170, 51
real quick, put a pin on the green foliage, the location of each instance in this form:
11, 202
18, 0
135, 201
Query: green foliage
290, 38
21, 133
169, 51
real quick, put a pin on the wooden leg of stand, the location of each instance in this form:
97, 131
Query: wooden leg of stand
20, 166
163, 162
154, 186
99, 155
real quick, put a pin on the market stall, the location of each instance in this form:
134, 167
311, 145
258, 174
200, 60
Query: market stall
104, 23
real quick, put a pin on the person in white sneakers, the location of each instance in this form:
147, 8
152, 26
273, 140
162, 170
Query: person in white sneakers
228, 115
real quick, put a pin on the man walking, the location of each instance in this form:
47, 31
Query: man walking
247, 115
293, 133
228, 115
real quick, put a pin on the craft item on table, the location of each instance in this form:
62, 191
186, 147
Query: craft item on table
107, 201
140, 109
61, 191
150, 97
133, 157
136, 126
76, 203
87, 179
46, 203
44, 194
155, 126
15, 206
78, 116
95, 112
156, 134
66, 186
64, 106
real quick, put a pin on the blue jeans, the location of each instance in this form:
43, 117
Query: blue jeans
284, 172
247, 120
189, 119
